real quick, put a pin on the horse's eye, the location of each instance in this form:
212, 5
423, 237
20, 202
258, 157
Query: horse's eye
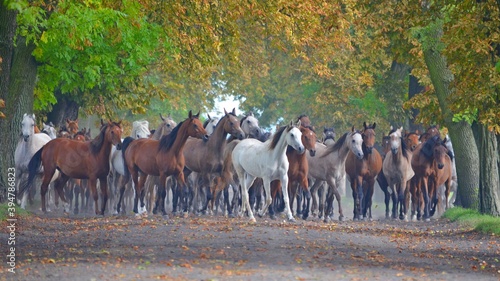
168, 125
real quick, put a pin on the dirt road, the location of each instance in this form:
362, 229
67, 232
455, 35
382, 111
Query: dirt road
50, 247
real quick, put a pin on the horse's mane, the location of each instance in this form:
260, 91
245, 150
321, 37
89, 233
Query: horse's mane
310, 128
337, 145
167, 141
427, 148
277, 137
205, 124
96, 143
243, 119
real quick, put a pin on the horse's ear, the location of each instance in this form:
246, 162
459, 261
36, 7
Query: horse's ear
33, 116
208, 116
391, 128
352, 129
364, 125
234, 111
197, 115
437, 126
225, 112
24, 116
250, 113
374, 125
102, 122
401, 129
67, 120
298, 123
51, 124
417, 131
163, 119
76, 120
190, 115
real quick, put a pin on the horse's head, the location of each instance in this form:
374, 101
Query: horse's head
294, 137
72, 126
113, 133
140, 129
304, 120
28, 126
195, 127
309, 139
232, 124
369, 137
440, 155
250, 125
49, 130
329, 134
165, 128
412, 140
210, 124
395, 139
355, 142
386, 144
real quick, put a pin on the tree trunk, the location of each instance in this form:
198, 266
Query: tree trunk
63, 109
466, 151
18, 74
489, 189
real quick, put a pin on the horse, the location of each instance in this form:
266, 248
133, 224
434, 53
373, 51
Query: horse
75, 159
49, 130
329, 135
431, 163
412, 139
206, 157
330, 166
454, 179
363, 172
252, 158
140, 129
298, 170
26, 147
162, 158
398, 172
304, 120
250, 126
429, 133
210, 124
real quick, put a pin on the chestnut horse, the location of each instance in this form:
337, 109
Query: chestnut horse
161, 158
79, 160
298, 170
431, 163
363, 172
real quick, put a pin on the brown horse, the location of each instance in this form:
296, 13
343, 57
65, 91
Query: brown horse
431, 163
363, 173
398, 172
162, 158
207, 157
79, 160
298, 170
412, 139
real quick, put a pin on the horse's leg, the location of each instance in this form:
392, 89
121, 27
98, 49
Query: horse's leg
77, 190
329, 203
322, 194
59, 187
122, 182
367, 206
269, 199
382, 183
103, 181
315, 199
407, 200
425, 192
354, 186
246, 180
341, 183
162, 193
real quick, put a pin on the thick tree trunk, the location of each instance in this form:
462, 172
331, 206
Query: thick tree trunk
17, 84
466, 151
489, 188
63, 109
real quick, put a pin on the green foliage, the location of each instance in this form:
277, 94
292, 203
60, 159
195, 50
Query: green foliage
4, 211
473, 219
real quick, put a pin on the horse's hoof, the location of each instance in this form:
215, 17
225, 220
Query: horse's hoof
292, 220
252, 220
138, 216
341, 218
165, 217
185, 215
75, 212
231, 215
273, 217
427, 220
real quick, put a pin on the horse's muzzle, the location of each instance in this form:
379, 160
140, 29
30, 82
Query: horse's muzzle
301, 149
25, 138
205, 138
360, 155
312, 153
241, 136
119, 146
394, 151
440, 166
369, 149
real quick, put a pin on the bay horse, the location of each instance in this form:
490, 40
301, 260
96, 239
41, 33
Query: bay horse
162, 158
329, 166
363, 172
298, 170
267, 160
26, 147
206, 157
431, 163
79, 160
398, 172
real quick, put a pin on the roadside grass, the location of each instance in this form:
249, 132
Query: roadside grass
4, 212
475, 220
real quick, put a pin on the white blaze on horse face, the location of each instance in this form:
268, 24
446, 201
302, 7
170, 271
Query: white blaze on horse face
294, 139
395, 140
356, 145
28, 126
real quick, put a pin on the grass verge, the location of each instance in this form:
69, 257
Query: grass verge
472, 218
4, 212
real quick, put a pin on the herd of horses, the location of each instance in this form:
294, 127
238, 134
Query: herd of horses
201, 163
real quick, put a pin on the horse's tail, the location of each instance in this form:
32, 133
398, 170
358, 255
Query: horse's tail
125, 143
33, 170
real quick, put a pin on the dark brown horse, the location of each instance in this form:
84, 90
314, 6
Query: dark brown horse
79, 160
162, 158
298, 170
207, 157
431, 163
363, 172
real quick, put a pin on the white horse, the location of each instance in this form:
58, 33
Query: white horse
49, 130
26, 148
329, 165
250, 125
140, 129
454, 183
210, 124
252, 159
398, 172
